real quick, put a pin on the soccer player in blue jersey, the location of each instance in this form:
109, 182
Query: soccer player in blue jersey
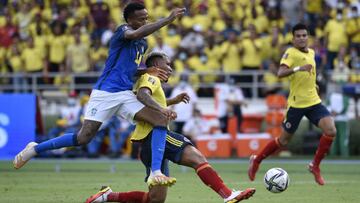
112, 94
178, 148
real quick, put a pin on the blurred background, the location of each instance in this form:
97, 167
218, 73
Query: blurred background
225, 55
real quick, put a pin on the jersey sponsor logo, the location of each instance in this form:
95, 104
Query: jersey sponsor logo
93, 111
151, 80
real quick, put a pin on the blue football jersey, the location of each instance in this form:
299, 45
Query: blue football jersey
124, 58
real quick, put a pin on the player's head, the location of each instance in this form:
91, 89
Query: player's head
300, 36
159, 60
135, 14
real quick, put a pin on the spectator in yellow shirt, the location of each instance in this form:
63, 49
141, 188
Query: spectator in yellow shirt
98, 55
57, 48
33, 58
353, 28
77, 57
272, 45
336, 36
39, 26
251, 57
341, 68
230, 54
212, 53
15, 62
172, 37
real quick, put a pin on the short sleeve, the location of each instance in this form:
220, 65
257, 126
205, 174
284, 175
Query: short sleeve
148, 81
120, 32
287, 59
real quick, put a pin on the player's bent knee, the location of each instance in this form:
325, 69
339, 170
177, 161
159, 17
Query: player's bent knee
192, 157
330, 132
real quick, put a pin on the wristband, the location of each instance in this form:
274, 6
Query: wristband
296, 69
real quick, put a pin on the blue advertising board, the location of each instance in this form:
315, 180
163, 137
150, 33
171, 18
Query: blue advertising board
17, 123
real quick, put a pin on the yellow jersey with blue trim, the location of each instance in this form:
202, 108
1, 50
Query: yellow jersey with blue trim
153, 83
303, 91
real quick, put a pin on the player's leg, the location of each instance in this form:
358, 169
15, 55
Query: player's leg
156, 194
107, 195
146, 158
132, 109
159, 121
99, 109
193, 158
86, 133
290, 124
320, 116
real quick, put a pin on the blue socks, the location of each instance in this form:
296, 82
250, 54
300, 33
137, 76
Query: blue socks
66, 140
158, 141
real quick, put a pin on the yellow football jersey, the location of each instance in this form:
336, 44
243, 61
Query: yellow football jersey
302, 83
153, 83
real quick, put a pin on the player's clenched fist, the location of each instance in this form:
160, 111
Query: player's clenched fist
182, 97
176, 13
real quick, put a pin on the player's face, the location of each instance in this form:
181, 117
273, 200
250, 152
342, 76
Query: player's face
165, 65
139, 18
300, 38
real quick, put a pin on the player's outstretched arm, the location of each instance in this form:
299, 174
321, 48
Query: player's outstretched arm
144, 96
150, 28
285, 71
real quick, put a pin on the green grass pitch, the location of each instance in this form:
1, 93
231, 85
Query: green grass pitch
73, 181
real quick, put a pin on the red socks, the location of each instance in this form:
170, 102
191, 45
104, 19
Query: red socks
212, 179
270, 148
133, 196
323, 148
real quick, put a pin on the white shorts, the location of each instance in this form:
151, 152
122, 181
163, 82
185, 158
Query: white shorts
103, 105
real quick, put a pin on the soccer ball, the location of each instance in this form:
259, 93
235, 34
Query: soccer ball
276, 180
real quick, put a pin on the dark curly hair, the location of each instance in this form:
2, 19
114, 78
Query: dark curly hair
131, 8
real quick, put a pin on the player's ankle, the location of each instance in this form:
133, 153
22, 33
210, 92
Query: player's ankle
156, 173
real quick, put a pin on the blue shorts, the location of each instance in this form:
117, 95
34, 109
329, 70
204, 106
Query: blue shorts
174, 148
294, 115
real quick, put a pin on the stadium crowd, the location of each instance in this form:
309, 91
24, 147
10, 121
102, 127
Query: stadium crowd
215, 37
228, 36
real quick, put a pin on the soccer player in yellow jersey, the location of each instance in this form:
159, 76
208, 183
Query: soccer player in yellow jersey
178, 148
298, 64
